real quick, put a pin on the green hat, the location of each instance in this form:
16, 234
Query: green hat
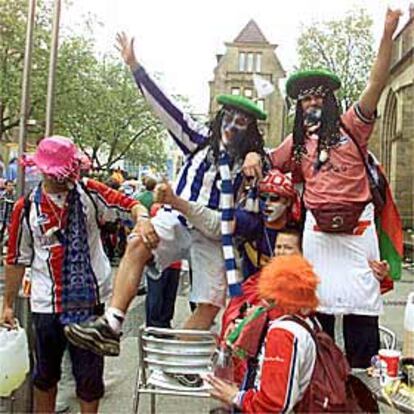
307, 79
242, 103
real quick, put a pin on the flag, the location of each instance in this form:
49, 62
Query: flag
390, 235
263, 87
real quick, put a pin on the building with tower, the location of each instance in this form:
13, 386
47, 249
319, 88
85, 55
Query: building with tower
249, 53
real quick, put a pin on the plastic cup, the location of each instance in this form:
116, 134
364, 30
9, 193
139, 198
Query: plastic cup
392, 359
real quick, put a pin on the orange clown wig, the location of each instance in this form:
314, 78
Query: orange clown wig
291, 283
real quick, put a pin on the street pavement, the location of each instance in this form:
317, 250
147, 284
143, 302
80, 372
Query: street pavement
120, 372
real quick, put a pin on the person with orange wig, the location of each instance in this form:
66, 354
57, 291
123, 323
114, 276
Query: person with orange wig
287, 351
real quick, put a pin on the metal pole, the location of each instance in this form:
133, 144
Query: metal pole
24, 395
24, 106
52, 69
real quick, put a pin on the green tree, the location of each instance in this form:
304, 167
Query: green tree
96, 102
344, 46
12, 41
109, 119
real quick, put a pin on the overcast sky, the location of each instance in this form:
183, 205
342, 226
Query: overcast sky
180, 38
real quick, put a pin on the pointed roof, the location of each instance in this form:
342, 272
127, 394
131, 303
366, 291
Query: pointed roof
251, 33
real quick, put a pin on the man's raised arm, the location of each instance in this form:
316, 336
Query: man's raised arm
186, 132
381, 67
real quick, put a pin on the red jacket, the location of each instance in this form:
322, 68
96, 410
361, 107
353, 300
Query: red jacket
286, 365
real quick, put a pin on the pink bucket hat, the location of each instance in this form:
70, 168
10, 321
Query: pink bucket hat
58, 157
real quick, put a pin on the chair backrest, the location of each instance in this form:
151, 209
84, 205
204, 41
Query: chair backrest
388, 339
177, 351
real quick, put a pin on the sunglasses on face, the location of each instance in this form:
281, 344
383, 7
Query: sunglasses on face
273, 198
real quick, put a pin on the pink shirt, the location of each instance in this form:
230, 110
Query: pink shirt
342, 180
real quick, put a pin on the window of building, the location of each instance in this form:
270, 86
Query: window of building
258, 62
248, 93
242, 61
235, 91
250, 62
261, 104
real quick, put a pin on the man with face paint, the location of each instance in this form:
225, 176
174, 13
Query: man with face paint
279, 208
212, 176
340, 237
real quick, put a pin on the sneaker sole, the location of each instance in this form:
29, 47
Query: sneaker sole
80, 343
92, 340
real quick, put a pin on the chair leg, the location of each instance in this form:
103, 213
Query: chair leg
136, 392
136, 402
153, 403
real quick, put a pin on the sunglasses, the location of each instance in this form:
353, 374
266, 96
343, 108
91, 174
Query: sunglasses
273, 198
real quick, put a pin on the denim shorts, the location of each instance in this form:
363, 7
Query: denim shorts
51, 343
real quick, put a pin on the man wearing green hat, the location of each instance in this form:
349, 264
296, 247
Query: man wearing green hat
325, 152
211, 175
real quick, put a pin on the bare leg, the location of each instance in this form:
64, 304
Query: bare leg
44, 401
203, 317
129, 274
89, 407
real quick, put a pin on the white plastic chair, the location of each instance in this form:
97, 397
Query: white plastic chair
163, 352
388, 339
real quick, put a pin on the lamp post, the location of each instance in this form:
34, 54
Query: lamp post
52, 69
22, 399
24, 105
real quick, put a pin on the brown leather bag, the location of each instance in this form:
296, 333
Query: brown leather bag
338, 219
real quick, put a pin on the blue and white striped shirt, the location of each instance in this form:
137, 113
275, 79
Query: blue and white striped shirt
199, 177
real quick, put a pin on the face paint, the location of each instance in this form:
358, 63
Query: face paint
233, 126
312, 116
274, 211
275, 206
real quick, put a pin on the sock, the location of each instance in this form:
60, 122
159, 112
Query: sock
115, 318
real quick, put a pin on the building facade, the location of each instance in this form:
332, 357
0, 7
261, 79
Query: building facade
251, 53
393, 139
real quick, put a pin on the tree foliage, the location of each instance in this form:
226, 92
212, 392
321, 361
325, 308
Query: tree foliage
97, 102
109, 119
344, 46
12, 44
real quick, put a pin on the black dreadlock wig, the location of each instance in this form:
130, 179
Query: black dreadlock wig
329, 132
252, 142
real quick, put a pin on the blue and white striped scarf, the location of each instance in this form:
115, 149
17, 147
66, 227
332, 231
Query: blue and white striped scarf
233, 275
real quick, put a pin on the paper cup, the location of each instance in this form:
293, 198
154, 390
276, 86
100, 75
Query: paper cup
392, 359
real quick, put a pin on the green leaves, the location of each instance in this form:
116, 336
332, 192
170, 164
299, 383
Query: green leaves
344, 46
97, 102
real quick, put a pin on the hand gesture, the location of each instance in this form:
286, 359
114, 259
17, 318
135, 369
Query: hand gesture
164, 193
392, 18
126, 47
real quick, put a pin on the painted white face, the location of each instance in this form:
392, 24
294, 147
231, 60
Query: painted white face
275, 206
233, 125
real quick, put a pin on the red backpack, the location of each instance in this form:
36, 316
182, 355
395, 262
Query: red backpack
329, 389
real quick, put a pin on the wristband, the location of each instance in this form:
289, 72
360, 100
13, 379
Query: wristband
143, 216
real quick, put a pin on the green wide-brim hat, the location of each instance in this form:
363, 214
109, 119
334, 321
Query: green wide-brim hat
243, 104
306, 79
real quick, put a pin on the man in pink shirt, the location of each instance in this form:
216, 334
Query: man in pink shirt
325, 152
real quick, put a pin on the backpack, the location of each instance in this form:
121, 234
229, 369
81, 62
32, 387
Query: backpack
328, 390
